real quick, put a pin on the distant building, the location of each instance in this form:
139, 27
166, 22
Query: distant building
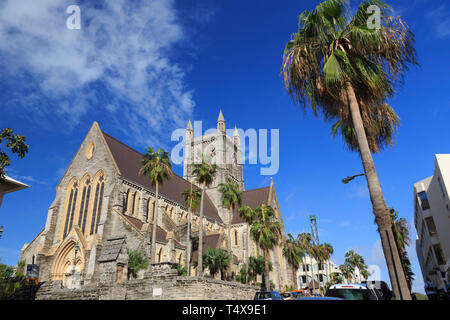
320, 271
432, 222
10, 185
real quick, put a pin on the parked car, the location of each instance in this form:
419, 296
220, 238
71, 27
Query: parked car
303, 292
319, 298
354, 291
382, 287
289, 295
267, 295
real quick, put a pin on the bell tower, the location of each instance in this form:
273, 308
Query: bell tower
220, 149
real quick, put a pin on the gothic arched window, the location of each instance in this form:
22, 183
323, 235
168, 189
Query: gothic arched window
146, 210
84, 205
71, 203
125, 201
133, 203
98, 200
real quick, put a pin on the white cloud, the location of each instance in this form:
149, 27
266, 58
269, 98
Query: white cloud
124, 48
440, 17
359, 190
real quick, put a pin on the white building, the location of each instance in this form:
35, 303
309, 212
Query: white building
432, 222
10, 185
321, 273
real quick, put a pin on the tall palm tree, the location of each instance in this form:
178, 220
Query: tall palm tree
156, 166
322, 256
192, 199
304, 241
354, 260
316, 254
294, 255
246, 213
265, 231
231, 196
204, 173
346, 271
347, 70
328, 250
401, 233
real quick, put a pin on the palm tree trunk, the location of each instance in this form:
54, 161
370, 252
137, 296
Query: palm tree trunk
229, 240
200, 236
155, 222
312, 272
294, 274
188, 244
380, 210
188, 236
266, 269
247, 249
305, 270
328, 272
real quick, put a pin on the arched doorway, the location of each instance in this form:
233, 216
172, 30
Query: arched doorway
65, 261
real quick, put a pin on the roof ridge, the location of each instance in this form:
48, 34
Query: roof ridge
257, 189
122, 143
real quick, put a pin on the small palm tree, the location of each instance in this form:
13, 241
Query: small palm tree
204, 173
265, 231
216, 260
192, 199
156, 166
231, 196
246, 213
335, 278
242, 276
347, 70
136, 262
293, 254
256, 267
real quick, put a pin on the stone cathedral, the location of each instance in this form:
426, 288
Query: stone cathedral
103, 208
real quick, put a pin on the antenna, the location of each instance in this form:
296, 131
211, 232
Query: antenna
314, 232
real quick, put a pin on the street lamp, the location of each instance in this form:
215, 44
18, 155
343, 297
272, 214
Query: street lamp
348, 179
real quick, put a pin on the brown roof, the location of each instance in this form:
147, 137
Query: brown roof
209, 241
252, 198
129, 160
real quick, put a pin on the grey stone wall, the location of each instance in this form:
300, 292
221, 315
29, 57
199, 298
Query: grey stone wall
162, 279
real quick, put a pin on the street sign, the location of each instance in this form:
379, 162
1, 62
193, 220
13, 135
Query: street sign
32, 271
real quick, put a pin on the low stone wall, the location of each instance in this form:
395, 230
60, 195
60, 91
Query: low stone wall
161, 284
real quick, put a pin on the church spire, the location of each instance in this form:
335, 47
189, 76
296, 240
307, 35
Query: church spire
236, 137
221, 122
189, 125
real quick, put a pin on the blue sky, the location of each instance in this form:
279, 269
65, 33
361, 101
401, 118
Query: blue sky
142, 70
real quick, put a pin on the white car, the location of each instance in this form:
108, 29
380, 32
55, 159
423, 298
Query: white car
353, 291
